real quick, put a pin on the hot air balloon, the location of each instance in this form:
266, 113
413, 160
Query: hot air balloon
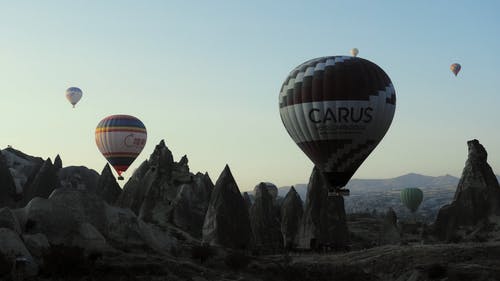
411, 198
120, 138
73, 94
337, 109
354, 52
455, 68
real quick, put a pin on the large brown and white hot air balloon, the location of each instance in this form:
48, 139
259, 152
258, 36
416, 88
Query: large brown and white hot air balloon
337, 109
120, 138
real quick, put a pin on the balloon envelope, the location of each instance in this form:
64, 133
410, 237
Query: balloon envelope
354, 52
337, 109
73, 95
411, 198
120, 138
455, 68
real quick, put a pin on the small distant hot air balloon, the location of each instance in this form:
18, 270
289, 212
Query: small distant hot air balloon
73, 94
455, 68
411, 198
337, 109
354, 52
120, 138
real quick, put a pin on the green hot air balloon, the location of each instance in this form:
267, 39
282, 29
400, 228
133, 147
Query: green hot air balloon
412, 197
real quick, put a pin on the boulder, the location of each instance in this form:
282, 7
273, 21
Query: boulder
226, 222
78, 177
13, 249
37, 244
107, 187
9, 220
291, 215
324, 220
477, 196
264, 220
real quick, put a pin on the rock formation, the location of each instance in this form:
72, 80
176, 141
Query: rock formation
477, 196
324, 221
57, 162
23, 167
45, 181
164, 192
79, 177
9, 220
248, 201
390, 233
264, 218
107, 187
133, 192
291, 215
8, 193
226, 222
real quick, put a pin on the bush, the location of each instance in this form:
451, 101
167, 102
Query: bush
236, 260
202, 252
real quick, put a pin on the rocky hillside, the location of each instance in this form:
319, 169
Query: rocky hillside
171, 224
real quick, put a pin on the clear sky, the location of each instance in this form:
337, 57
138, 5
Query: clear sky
205, 76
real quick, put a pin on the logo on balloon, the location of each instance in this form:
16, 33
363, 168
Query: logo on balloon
341, 115
130, 141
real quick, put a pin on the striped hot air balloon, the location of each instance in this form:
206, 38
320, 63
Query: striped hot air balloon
120, 138
337, 109
411, 198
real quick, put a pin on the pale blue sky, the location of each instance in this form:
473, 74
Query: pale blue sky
205, 76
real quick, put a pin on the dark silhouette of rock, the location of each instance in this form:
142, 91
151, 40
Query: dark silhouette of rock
291, 215
477, 196
165, 193
12, 247
107, 187
264, 220
8, 193
248, 201
183, 204
226, 222
79, 177
9, 220
134, 190
57, 162
389, 234
23, 168
324, 221
46, 180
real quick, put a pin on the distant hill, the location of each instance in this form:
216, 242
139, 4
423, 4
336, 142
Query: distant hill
376, 195
377, 185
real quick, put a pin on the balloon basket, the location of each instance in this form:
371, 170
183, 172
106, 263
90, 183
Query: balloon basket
338, 192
